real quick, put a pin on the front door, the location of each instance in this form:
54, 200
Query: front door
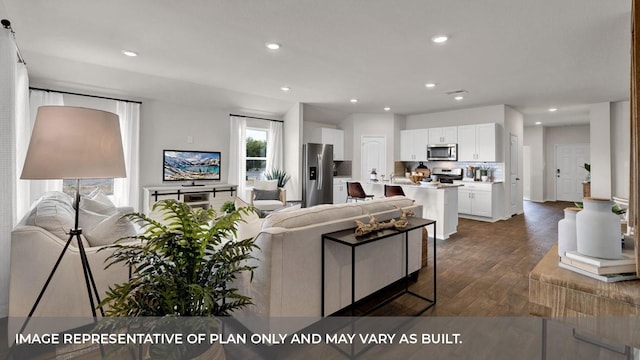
570, 173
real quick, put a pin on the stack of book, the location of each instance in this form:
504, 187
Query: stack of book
602, 269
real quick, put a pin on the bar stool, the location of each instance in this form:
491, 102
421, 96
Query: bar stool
393, 190
355, 191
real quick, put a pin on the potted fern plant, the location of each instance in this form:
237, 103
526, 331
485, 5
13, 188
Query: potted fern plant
182, 268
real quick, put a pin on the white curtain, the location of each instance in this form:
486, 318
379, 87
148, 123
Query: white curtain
13, 85
23, 135
274, 146
238, 154
30, 190
126, 191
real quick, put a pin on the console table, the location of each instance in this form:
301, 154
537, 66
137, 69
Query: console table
348, 238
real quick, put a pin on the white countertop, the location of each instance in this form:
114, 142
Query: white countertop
427, 186
477, 182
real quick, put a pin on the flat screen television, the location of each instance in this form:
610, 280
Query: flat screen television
182, 165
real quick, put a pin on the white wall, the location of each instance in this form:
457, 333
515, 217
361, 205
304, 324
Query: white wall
534, 138
89, 102
600, 150
479, 115
560, 135
358, 125
166, 125
620, 149
293, 150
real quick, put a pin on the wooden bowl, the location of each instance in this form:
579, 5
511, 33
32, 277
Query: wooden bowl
416, 178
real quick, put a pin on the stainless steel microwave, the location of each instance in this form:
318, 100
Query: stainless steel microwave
444, 152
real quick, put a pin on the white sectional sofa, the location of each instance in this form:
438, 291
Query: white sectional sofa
286, 287
38, 240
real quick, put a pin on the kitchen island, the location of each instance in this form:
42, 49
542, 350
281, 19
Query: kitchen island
439, 202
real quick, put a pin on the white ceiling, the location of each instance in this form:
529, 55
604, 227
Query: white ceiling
528, 54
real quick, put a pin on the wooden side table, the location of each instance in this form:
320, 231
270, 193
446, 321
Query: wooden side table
610, 310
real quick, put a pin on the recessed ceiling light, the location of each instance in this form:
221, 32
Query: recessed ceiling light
553, 109
129, 53
387, 108
272, 46
439, 39
285, 88
430, 85
538, 123
354, 100
458, 98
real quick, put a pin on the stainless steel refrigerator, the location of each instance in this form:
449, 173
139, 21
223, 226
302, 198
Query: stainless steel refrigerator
317, 174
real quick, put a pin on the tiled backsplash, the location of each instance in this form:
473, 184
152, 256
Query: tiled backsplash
343, 168
497, 169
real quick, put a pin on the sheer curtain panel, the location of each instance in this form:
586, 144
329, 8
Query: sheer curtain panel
126, 190
35, 188
238, 155
13, 100
274, 146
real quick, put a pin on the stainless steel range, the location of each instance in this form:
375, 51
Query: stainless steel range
447, 175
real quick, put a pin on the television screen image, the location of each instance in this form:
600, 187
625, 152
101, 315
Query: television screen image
191, 165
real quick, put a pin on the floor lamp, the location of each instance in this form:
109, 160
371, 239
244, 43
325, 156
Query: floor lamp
74, 143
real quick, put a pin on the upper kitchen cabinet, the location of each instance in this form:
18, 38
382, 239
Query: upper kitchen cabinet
443, 135
413, 145
479, 142
334, 137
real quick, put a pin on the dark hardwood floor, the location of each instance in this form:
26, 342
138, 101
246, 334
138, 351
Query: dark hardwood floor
483, 269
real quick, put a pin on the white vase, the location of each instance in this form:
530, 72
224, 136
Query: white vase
567, 231
598, 230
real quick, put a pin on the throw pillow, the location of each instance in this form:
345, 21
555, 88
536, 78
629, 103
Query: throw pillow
266, 184
98, 202
109, 230
266, 194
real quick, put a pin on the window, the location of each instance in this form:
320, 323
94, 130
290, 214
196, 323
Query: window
256, 152
87, 186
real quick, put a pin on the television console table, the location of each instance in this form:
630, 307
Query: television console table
348, 238
210, 196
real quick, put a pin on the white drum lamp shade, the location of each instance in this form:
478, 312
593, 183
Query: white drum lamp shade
74, 143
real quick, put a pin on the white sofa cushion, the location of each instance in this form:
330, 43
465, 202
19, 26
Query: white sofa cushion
53, 212
110, 229
98, 202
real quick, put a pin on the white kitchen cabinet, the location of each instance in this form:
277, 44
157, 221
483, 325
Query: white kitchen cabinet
334, 137
331, 136
443, 135
480, 201
479, 142
413, 144
339, 190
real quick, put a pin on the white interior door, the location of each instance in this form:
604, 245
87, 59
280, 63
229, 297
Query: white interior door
516, 196
373, 156
569, 172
